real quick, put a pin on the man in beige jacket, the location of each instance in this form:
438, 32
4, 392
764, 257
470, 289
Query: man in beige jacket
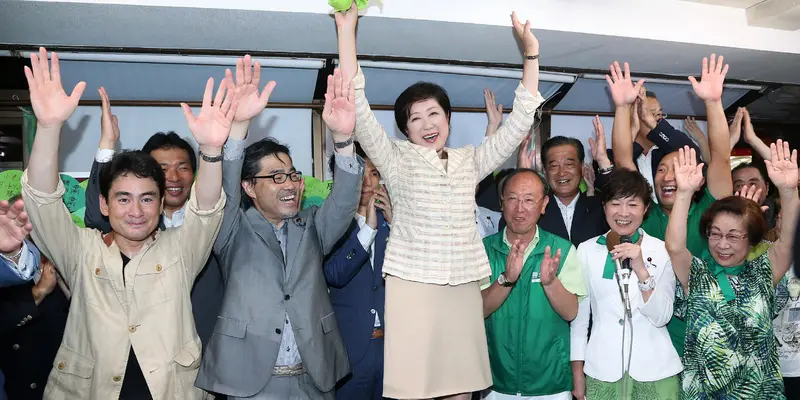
130, 332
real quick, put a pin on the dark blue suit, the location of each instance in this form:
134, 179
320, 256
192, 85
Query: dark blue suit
357, 293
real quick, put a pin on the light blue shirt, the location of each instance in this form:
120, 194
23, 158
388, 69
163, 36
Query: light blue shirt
23, 271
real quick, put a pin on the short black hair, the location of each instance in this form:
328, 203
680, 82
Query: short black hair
520, 171
622, 183
253, 155
418, 92
136, 162
651, 95
332, 161
761, 170
170, 140
561, 141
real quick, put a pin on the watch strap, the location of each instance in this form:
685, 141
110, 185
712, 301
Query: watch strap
531, 56
211, 159
341, 145
648, 284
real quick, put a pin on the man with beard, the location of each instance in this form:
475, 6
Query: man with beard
276, 336
718, 175
177, 159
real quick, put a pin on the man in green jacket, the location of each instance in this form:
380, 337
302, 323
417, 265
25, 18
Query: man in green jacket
535, 287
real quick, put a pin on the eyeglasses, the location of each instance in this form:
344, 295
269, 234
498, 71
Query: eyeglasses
730, 237
280, 177
526, 203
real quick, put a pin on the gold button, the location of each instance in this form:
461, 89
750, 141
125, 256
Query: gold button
132, 328
158, 267
116, 378
61, 365
15, 347
97, 271
33, 385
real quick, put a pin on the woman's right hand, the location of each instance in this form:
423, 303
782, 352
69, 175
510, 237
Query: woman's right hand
688, 173
529, 41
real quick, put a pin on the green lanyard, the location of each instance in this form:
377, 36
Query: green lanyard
610, 267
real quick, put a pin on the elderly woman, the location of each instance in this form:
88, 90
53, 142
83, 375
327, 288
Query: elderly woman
628, 356
730, 346
435, 342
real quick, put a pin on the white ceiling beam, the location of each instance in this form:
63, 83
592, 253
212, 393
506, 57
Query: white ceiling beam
776, 14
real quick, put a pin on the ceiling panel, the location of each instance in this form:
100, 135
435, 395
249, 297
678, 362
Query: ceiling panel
385, 85
592, 95
176, 82
782, 105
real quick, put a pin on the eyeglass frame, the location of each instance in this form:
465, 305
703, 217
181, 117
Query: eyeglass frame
730, 237
286, 175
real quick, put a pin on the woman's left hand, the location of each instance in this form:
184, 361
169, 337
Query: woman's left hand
632, 251
529, 41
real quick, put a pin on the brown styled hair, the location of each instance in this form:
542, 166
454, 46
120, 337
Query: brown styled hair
747, 210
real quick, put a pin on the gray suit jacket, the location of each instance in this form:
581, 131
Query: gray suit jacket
260, 289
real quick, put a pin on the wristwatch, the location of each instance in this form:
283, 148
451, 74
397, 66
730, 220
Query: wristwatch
503, 281
341, 145
648, 285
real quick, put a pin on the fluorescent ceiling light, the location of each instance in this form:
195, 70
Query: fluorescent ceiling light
464, 70
229, 61
684, 82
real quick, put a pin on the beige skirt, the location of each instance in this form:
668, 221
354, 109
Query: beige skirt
435, 340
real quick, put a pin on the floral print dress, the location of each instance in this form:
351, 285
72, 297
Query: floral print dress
731, 352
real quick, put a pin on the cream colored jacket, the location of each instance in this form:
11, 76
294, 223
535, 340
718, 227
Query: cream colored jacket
150, 311
434, 237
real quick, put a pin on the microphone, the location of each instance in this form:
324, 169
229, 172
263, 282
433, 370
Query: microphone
624, 269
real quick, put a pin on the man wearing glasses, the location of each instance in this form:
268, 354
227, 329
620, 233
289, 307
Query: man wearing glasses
276, 335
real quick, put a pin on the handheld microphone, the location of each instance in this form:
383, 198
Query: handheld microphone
625, 271
623, 276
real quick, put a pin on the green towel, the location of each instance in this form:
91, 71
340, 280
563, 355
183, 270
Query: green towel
344, 5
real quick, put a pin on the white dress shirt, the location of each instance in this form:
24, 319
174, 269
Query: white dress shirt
366, 236
645, 164
26, 268
567, 212
488, 221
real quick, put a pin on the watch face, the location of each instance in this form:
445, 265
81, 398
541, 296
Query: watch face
501, 280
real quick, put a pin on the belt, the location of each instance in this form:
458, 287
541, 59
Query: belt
377, 333
289, 370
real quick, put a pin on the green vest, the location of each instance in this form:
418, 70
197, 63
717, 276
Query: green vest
528, 341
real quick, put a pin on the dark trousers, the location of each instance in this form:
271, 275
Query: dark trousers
366, 378
792, 388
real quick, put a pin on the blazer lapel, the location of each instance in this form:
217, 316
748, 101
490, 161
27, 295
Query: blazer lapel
381, 240
554, 222
609, 286
297, 226
454, 159
112, 260
263, 229
578, 217
430, 156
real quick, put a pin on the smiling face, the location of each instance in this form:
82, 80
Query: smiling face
563, 171
523, 202
625, 215
275, 201
133, 207
178, 171
727, 239
664, 180
428, 124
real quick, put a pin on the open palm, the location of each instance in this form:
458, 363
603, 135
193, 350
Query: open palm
525, 34
14, 226
339, 112
50, 102
782, 168
713, 77
623, 91
688, 174
213, 125
246, 94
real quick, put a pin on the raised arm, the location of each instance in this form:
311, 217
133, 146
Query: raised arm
494, 113
782, 170
496, 149
203, 218
53, 230
709, 89
624, 93
752, 139
689, 179
371, 135
109, 136
251, 103
696, 133
339, 115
